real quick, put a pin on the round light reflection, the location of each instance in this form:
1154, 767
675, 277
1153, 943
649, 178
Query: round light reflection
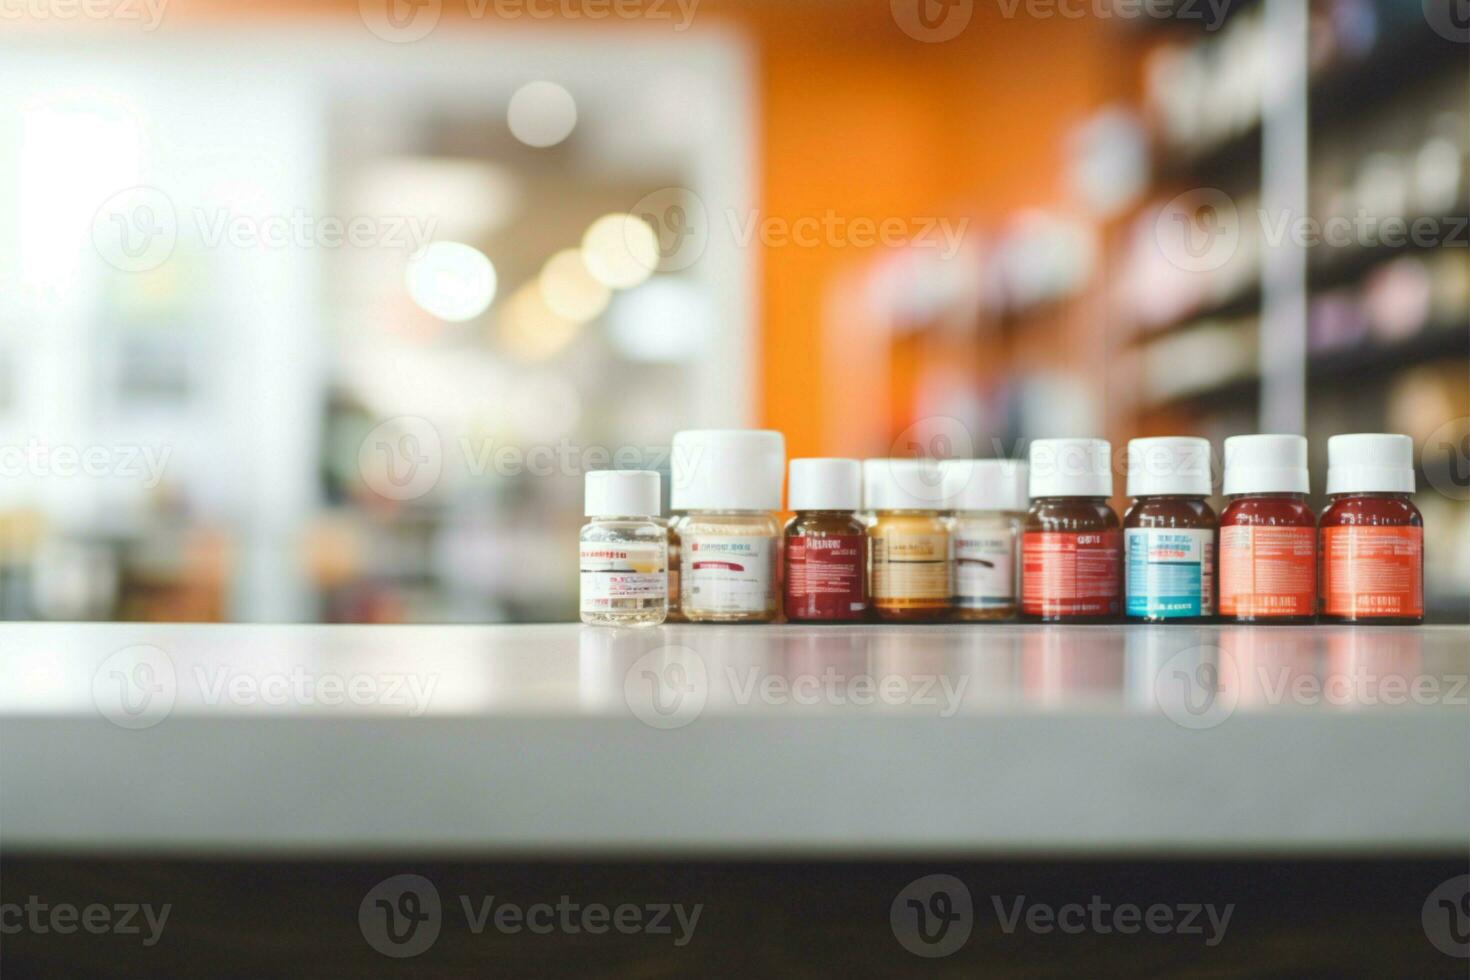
620, 250
569, 290
451, 280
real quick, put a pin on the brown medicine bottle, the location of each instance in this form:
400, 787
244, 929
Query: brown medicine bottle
1071, 546
826, 554
1372, 540
1268, 533
908, 541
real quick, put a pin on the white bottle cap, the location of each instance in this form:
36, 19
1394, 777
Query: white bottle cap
727, 469
1177, 466
902, 484
1071, 468
1266, 464
1370, 463
985, 484
622, 493
825, 484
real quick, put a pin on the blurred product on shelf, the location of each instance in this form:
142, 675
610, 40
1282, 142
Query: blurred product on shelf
624, 554
826, 546
988, 500
1170, 533
670, 525
1372, 534
909, 540
728, 484
1268, 534
1071, 549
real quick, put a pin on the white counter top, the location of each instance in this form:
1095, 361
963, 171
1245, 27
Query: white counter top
733, 741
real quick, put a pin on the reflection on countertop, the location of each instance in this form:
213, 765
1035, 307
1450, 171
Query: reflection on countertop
667, 676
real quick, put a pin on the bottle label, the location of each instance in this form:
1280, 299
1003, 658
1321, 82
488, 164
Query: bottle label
728, 574
1373, 572
622, 576
1268, 572
824, 577
984, 570
1171, 572
911, 570
1070, 573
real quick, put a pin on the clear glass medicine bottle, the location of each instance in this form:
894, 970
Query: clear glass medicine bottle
987, 499
624, 550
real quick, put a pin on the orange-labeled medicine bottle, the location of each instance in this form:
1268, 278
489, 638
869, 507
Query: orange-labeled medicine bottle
1268, 533
908, 541
1372, 535
1071, 545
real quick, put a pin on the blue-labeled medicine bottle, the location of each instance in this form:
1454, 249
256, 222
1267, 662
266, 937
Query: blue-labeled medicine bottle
1170, 533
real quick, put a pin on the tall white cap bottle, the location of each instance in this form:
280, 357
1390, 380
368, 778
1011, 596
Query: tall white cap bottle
721, 470
1370, 463
1169, 466
1266, 464
1071, 468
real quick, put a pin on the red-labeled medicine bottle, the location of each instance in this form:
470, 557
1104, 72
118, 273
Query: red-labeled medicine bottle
1372, 535
1268, 533
826, 555
1071, 544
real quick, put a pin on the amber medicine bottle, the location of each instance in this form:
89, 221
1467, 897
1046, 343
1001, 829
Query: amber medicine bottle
908, 541
988, 500
624, 553
1372, 535
1071, 546
728, 484
826, 553
1268, 533
1170, 532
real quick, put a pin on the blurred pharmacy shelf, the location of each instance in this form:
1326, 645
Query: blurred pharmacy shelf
729, 741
